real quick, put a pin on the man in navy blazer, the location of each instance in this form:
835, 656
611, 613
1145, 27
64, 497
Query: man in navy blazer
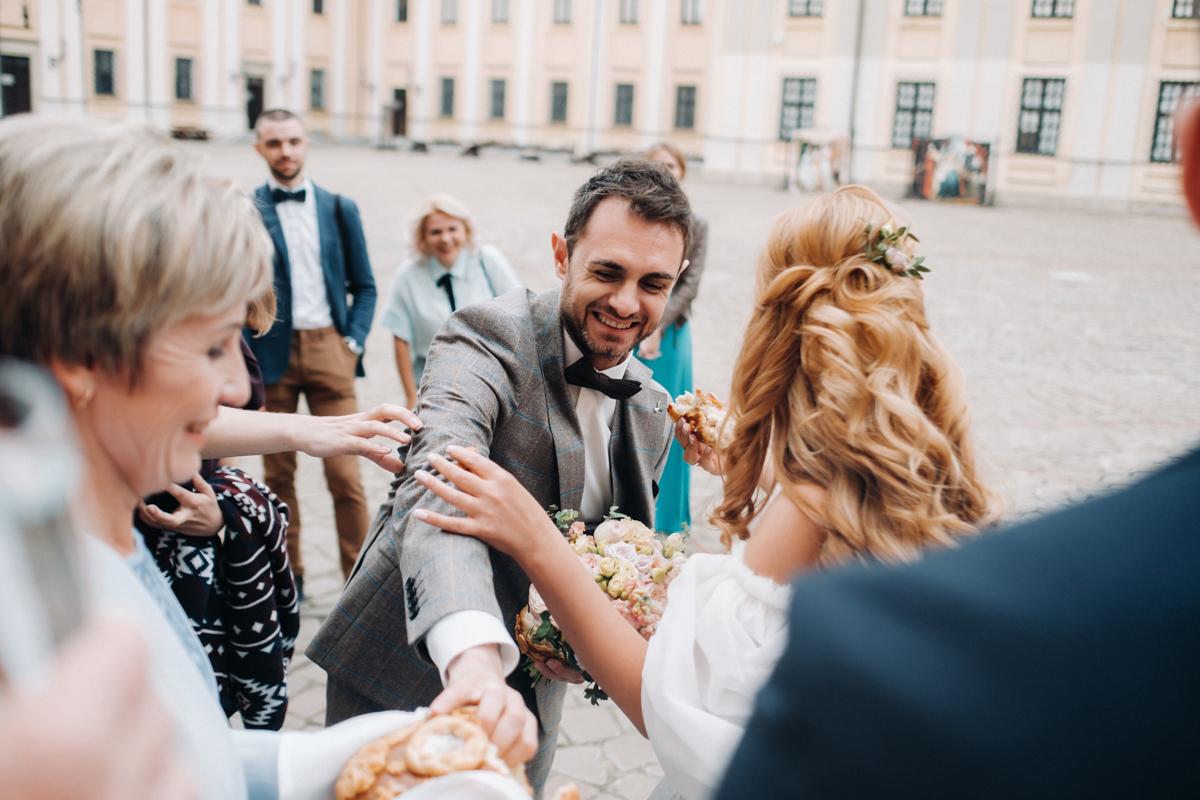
1057, 659
325, 296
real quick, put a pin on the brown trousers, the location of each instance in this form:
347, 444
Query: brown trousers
322, 367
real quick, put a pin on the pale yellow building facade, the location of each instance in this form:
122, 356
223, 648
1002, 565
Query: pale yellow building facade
1073, 96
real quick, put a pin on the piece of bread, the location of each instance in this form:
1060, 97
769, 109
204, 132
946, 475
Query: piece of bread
704, 414
390, 765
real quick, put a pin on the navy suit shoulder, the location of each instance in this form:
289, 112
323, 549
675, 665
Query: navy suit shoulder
1059, 658
349, 281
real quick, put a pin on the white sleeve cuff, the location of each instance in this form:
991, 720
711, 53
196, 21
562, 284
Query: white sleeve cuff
456, 633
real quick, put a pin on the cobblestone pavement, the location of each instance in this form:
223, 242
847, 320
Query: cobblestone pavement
1077, 333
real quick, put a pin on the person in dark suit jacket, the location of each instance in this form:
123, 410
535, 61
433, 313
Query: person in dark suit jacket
547, 386
1057, 659
325, 293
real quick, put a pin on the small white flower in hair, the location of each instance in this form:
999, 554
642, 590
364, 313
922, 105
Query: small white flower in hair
897, 259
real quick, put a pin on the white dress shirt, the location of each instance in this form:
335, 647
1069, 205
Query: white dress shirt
456, 633
302, 234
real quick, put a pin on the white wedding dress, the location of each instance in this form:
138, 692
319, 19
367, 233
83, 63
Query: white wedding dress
723, 630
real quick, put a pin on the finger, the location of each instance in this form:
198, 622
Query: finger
479, 464
182, 495
459, 499
461, 525
391, 411
144, 512
491, 708
507, 732
529, 743
464, 479
202, 486
368, 429
167, 522
451, 698
388, 461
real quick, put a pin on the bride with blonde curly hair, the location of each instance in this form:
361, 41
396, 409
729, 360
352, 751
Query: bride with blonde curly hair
847, 438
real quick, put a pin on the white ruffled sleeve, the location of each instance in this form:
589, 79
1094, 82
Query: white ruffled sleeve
723, 630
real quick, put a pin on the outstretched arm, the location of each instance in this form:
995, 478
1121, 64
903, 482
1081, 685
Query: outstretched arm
503, 514
236, 432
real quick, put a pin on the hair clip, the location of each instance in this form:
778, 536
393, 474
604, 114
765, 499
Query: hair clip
886, 250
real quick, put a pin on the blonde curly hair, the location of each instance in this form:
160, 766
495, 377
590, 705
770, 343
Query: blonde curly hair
841, 383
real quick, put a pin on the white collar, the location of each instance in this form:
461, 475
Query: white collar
306, 184
572, 354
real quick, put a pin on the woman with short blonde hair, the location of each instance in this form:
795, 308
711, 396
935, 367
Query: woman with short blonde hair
127, 273
447, 272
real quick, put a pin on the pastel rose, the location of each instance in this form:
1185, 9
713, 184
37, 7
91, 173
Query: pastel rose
577, 529
581, 545
616, 585
608, 532
621, 550
591, 561
536, 604
608, 567
644, 564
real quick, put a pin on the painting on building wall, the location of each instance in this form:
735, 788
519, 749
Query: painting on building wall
953, 169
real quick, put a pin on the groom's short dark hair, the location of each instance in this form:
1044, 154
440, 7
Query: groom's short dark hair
651, 190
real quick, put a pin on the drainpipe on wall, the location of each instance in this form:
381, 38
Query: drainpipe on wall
858, 38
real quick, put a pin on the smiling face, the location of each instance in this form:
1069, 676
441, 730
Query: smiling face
284, 146
444, 237
150, 435
617, 281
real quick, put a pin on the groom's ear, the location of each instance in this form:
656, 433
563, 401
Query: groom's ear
561, 259
1187, 127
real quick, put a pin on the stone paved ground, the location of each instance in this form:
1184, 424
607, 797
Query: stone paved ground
1077, 333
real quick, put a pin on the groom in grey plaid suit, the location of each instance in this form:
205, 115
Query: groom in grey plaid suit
546, 386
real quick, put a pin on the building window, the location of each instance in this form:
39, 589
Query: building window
558, 101
805, 8
103, 64
914, 113
449, 12
254, 2
447, 108
499, 10
1041, 113
401, 10
691, 12
562, 11
1054, 8
183, 79
629, 12
624, 115
922, 8
685, 107
799, 102
317, 90
498, 98
1169, 94
318, 6
1186, 9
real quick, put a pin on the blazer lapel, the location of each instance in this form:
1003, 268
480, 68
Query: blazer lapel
560, 409
331, 243
270, 218
636, 445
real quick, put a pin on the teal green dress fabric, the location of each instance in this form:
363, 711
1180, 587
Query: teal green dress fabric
674, 371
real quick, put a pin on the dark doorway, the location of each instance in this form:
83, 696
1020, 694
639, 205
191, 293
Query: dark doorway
15, 97
254, 100
399, 112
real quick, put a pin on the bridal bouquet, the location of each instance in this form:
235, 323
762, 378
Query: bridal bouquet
629, 562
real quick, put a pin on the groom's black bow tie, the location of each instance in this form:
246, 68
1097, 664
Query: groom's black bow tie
581, 373
283, 195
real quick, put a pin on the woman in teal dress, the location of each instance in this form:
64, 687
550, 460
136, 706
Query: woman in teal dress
668, 352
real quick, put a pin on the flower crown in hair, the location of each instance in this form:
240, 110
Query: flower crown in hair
886, 250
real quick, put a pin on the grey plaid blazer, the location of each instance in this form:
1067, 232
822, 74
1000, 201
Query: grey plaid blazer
494, 380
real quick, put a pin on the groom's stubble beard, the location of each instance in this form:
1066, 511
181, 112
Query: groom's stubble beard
575, 321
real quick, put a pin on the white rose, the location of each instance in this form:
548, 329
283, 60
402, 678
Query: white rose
536, 604
897, 259
622, 550
608, 532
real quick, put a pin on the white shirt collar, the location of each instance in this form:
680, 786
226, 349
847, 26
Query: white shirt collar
306, 185
572, 354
